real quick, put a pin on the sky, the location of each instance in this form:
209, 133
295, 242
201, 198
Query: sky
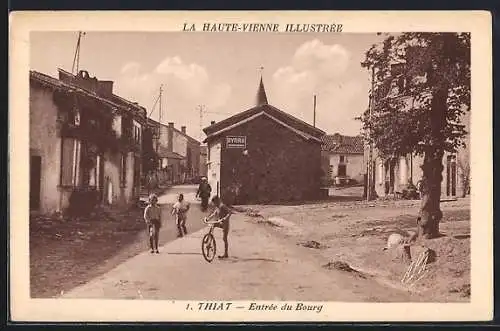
221, 72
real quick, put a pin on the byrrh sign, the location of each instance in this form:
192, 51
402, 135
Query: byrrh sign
236, 141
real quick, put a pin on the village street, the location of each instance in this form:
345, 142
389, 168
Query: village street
168, 232
266, 263
66, 253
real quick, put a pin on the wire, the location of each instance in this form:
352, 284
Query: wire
154, 105
213, 112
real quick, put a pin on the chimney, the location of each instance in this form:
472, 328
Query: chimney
183, 129
171, 124
212, 122
105, 87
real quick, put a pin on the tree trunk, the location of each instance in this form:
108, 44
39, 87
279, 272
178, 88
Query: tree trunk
432, 167
430, 212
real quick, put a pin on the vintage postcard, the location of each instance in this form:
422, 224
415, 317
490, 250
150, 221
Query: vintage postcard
251, 166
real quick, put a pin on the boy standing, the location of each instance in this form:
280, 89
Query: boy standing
152, 217
223, 214
180, 209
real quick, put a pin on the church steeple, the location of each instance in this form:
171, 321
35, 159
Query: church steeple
261, 93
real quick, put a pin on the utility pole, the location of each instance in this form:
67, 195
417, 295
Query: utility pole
76, 58
200, 109
161, 91
314, 111
159, 121
369, 177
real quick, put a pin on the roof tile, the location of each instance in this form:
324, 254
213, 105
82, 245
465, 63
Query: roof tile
338, 143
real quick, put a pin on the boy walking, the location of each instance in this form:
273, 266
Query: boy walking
180, 210
152, 217
223, 214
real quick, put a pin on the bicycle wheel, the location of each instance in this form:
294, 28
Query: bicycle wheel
208, 247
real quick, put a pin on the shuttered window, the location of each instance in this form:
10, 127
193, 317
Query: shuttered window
70, 162
123, 170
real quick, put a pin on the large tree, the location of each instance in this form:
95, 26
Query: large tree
421, 90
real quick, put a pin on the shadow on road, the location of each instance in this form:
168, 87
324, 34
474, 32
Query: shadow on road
234, 259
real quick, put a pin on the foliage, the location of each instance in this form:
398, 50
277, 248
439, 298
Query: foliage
410, 71
149, 157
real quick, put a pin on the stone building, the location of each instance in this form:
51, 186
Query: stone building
393, 175
85, 143
343, 159
178, 154
264, 155
203, 172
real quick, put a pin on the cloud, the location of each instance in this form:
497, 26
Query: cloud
324, 70
186, 85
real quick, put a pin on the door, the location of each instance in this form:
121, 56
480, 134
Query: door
342, 170
137, 176
215, 168
35, 180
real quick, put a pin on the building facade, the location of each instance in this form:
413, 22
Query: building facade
343, 159
203, 172
264, 155
391, 176
85, 143
177, 154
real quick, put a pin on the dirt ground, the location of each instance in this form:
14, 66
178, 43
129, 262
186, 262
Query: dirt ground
354, 233
343, 235
67, 253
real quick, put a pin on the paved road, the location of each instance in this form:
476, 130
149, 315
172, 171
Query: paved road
194, 222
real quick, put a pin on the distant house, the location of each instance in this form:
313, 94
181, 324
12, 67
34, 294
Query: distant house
343, 158
203, 161
85, 143
178, 154
264, 155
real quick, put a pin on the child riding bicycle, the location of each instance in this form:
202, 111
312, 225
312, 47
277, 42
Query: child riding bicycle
223, 214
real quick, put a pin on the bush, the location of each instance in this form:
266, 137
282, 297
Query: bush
410, 193
83, 201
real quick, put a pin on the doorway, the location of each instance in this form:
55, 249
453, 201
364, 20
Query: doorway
35, 181
451, 176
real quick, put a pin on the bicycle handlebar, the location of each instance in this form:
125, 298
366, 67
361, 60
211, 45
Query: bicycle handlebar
212, 222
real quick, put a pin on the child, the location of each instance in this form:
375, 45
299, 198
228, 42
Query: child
180, 209
152, 216
223, 214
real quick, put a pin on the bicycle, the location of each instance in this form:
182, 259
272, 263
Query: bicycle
208, 244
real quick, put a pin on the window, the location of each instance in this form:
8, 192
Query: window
342, 171
342, 159
137, 133
77, 117
94, 172
70, 162
123, 170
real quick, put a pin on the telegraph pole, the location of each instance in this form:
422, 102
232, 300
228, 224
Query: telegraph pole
159, 121
314, 111
76, 58
369, 178
201, 109
161, 91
